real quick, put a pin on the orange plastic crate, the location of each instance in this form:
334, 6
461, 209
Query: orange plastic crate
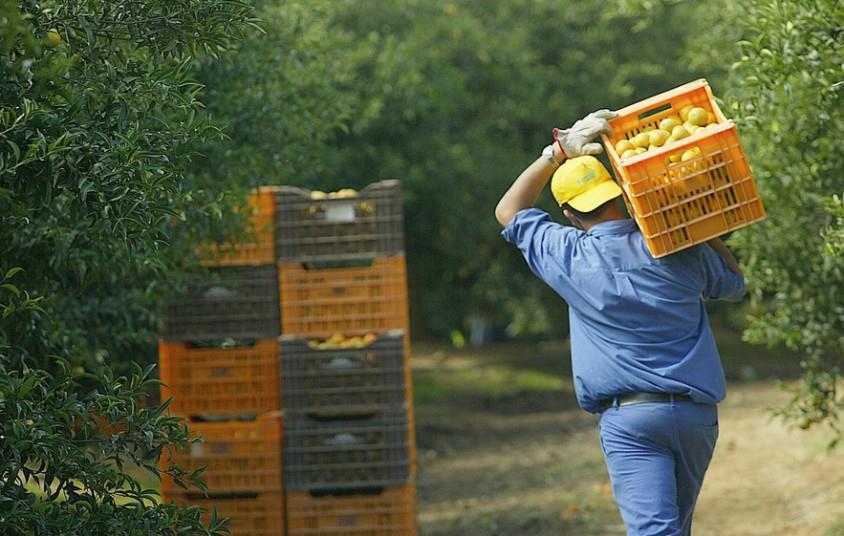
261, 248
240, 381
680, 204
392, 512
250, 514
355, 300
238, 456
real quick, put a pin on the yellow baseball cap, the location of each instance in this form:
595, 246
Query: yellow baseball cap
584, 183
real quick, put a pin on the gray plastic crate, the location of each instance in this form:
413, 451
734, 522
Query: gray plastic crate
343, 382
238, 303
366, 226
347, 454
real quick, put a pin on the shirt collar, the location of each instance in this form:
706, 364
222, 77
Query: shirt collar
614, 227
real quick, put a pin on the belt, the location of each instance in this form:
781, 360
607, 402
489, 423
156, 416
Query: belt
628, 399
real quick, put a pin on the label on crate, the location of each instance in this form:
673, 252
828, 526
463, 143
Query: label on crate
340, 212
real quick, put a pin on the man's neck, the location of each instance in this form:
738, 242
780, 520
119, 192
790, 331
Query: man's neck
611, 214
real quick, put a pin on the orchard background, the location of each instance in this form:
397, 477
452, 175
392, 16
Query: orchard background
130, 131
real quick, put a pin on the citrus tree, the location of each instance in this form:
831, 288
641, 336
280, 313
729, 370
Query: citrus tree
280, 96
98, 120
787, 88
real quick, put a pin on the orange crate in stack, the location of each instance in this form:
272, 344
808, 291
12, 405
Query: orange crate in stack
238, 456
386, 512
679, 203
356, 300
250, 514
239, 382
260, 245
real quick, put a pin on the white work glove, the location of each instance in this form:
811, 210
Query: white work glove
576, 141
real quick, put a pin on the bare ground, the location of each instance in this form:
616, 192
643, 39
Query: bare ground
504, 450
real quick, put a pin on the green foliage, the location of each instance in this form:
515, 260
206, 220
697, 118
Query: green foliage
786, 89
837, 529
99, 118
280, 96
65, 451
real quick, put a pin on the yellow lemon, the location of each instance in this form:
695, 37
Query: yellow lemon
697, 116
710, 118
670, 122
628, 153
346, 192
624, 146
658, 137
684, 112
640, 150
675, 157
679, 132
690, 128
694, 152
641, 139
53, 38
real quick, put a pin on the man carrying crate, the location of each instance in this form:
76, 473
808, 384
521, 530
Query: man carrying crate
643, 354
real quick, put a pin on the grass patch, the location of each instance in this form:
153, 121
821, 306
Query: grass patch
438, 385
836, 529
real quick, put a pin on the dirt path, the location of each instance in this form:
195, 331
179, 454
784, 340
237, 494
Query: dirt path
767, 478
527, 462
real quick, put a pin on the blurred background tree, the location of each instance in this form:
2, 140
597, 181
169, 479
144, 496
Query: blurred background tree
280, 96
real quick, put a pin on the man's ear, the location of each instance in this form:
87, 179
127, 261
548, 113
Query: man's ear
571, 217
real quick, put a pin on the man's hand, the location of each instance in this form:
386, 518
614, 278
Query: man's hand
576, 141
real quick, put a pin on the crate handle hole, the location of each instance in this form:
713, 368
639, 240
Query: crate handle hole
349, 491
654, 111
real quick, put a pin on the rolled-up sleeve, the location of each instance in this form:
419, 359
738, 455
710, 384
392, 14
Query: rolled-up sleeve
545, 244
720, 283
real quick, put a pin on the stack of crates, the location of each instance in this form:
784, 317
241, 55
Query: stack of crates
678, 202
219, 359
349, 455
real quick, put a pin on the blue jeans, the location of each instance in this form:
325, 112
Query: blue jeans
657, 454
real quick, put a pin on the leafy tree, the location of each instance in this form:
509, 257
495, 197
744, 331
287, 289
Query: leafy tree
279, 97
98, 120
787, 88
67, 440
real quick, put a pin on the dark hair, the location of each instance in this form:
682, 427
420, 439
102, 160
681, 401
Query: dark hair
592, 214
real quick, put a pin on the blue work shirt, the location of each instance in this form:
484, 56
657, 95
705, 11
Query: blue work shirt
638, 324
